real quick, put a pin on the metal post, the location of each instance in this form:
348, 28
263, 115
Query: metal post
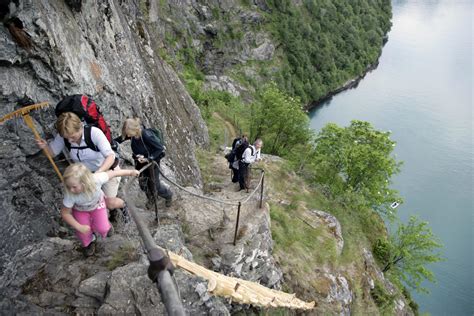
261, 189
237, 223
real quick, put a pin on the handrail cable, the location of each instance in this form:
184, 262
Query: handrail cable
158, 271
228, 202
238, 290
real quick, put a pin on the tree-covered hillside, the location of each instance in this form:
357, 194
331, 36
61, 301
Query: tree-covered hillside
325, 43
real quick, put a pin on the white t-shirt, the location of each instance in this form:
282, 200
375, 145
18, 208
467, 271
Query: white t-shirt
84, 202
92, 159
247, 156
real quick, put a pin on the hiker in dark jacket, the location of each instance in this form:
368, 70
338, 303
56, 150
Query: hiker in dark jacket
234, 156
146, 147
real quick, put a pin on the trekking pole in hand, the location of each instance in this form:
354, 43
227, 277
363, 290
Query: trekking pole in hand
153, 180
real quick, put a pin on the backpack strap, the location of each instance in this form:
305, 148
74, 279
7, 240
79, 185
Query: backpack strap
87, 138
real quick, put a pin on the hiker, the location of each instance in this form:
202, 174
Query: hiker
146, 147
250, 155
84, 202
238, 146
71, 135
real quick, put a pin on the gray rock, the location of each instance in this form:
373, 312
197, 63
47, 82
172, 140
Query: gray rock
103, 50
337, 291
52, 299
95, 286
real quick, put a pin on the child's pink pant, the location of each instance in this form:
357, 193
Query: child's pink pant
97, 220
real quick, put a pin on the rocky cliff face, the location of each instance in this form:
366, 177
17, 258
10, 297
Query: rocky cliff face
101, 48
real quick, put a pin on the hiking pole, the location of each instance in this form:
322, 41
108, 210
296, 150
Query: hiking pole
24, 112
153, 180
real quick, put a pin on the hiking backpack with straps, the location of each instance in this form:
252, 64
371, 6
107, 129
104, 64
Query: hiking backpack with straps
239, 152
232, 154
159, 141
89, 112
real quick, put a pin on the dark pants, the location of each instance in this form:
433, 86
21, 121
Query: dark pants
243, 174
149, 184
235, 174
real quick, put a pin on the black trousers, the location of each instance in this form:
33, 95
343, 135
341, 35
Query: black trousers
243, 174
149, 184
235, 174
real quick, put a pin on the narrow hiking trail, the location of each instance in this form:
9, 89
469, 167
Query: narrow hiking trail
229, 127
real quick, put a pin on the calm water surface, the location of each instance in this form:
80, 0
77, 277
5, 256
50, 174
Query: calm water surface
422, 92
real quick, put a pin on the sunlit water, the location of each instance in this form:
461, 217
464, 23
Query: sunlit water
422, 92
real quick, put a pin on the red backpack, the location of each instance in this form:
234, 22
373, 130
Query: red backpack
88, 111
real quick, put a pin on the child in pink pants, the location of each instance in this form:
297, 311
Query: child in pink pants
84, 202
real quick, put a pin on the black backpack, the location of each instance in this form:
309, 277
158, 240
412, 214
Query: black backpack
231, 155
159, 143
239, 151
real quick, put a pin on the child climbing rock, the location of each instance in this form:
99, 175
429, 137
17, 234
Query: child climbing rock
84, 202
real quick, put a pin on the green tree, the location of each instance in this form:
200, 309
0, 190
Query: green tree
410, 249
357, 159
278, 119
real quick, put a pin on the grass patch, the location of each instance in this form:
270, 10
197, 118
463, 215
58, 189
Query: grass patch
207, 166
124, 255
307, 245
382, 299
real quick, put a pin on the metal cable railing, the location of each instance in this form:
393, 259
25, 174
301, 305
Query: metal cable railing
160, 269
160, 265
228, 202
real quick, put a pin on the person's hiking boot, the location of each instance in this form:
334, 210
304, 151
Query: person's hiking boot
111, 231
90, 250
168, 202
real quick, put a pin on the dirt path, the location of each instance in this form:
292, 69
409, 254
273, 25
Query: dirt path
228, 126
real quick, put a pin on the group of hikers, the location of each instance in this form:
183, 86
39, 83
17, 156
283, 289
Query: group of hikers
240, 157
91, 182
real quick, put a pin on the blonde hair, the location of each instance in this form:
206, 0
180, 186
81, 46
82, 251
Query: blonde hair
80, 173
132, 127
68, 123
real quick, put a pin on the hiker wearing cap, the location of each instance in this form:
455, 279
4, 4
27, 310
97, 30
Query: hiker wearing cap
71, 136
146, 147
250, 155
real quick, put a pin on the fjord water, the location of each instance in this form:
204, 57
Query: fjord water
422, 92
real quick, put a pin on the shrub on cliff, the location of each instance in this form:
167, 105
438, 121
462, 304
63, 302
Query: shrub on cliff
357, 159
409, 251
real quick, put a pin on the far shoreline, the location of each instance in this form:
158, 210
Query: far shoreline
350, 84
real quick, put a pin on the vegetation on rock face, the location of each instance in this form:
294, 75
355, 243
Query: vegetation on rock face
382, 298
279, 118
351, 166
321, 45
